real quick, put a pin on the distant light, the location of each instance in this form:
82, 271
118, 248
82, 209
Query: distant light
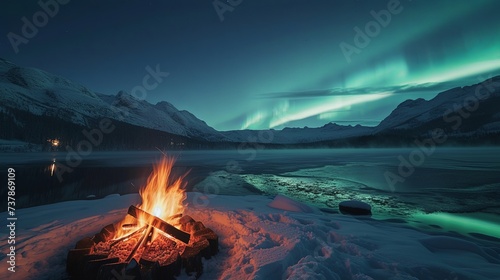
54, 142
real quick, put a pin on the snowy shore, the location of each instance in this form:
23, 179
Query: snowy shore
261, 242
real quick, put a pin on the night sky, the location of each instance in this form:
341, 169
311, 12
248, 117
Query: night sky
265, 63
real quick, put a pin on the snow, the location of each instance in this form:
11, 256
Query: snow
42, 93
44, 234
412, 113
492, 127
257, 241
18, 146
285, 203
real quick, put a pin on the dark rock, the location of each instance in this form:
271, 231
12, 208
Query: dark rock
355, 207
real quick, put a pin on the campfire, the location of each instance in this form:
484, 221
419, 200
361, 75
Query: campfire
153, 241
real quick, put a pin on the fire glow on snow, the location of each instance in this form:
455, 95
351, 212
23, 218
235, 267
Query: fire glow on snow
258, 241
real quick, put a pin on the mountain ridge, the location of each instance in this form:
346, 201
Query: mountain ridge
411, 114
40, 93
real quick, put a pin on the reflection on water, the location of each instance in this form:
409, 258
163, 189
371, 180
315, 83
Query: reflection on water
38, 183
468, 176
52, 167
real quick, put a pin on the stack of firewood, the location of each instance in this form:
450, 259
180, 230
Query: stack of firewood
154, 250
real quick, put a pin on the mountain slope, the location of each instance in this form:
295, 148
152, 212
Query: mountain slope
459, 111
329, 131
27, 93
41, 93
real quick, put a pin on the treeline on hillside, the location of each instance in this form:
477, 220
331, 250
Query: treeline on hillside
388, 140
24, 126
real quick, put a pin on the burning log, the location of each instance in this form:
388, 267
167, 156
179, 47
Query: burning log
74, 259
92, 267
84, 243
133, 254
211, 237
164, 252
155, 241
159, 224
127, 236
141, 241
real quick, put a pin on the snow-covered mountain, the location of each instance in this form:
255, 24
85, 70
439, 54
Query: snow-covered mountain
161, 116
41, 93
461, 112
330, 131
29, 92
467, 110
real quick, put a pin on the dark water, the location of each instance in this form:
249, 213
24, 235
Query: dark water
465, 178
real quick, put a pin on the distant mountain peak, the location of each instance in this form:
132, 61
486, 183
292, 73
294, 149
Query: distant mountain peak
40, 93
413, 114
164, 105
122, 93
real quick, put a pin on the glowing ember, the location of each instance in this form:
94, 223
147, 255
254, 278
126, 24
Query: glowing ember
161, 196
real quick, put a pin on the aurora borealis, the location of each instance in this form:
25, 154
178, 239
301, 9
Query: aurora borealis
268, 64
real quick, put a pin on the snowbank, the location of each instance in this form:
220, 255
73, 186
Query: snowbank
18, 146
259, 242
285, 203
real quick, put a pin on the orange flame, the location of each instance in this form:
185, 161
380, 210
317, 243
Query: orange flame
162, 196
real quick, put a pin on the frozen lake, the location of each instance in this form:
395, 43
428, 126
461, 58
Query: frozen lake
454, 180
